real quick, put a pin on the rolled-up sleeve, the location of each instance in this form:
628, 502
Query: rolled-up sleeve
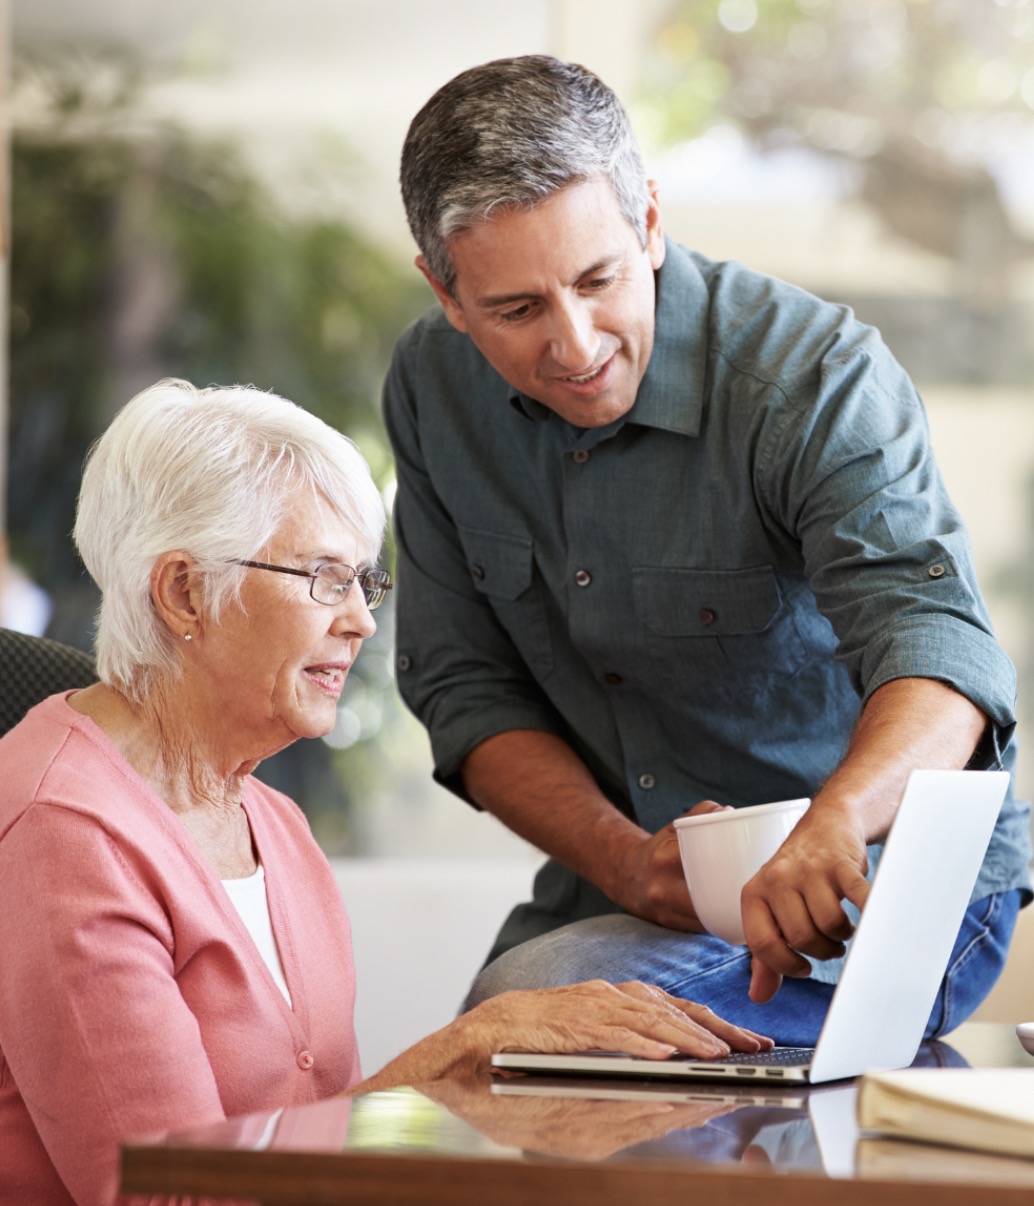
886, 553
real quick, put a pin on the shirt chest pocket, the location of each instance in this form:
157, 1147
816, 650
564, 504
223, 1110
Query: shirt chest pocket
734, 624
502, 568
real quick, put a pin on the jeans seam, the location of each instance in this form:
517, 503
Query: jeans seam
700, 976
966, 956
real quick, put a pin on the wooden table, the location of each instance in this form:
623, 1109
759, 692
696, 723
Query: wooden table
471, 1145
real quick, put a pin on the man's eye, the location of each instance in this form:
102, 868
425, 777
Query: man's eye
597, 283
515, 315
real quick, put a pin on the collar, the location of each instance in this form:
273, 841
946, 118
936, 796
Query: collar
671, 394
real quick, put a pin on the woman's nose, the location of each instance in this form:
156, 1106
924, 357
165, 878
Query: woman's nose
353, 615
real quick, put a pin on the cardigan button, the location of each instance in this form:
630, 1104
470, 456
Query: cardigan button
305, 1060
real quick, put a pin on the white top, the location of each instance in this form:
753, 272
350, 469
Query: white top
250, 900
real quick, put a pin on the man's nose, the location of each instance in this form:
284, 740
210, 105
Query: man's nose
574, 343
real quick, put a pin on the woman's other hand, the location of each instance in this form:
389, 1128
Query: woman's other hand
635, 1018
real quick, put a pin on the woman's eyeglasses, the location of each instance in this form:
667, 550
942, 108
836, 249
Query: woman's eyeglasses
329, 584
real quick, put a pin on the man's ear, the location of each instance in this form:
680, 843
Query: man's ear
453, 310
655, 247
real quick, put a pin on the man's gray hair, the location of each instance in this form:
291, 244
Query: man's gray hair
509, 134
213, 472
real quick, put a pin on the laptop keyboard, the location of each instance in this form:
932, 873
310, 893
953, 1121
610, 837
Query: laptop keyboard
778, 1057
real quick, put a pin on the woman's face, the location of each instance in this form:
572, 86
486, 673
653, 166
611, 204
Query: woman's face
278, 665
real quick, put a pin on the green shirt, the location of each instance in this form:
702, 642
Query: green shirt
699, 596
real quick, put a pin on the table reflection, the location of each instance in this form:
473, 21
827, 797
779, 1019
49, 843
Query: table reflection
580, 1120
528, 1135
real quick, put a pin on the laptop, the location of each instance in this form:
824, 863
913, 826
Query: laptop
769, 1095
895, 960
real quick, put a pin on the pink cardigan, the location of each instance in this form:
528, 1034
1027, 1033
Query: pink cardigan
132, 998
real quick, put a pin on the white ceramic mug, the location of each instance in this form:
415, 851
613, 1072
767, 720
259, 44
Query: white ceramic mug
722, 850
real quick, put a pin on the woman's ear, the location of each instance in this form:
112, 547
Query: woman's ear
176, 593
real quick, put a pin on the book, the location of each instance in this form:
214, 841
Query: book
984, 1109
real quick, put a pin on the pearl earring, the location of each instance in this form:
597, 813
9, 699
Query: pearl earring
188, 637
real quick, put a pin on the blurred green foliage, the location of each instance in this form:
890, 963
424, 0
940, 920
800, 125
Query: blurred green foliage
784, 68
138, 252
926, 109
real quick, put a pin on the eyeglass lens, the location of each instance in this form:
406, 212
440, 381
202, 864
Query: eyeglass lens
375, 584
331, 582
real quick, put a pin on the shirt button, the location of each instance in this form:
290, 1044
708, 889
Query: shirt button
581, 456
647, 781
583, 578
305, 1060
612, 679
479, 572
405, 661
937, 571
707, 616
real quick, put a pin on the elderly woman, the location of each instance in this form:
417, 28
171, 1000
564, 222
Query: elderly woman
173, 947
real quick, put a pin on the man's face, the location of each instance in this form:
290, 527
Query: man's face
559, 299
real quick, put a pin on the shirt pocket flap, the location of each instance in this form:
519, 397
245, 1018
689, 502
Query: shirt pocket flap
684, 602
499, 565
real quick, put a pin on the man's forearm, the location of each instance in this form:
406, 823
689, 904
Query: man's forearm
536, 784
538, 787
909, 723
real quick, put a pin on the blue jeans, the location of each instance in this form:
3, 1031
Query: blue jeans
617, 947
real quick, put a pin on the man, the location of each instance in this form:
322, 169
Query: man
669, 531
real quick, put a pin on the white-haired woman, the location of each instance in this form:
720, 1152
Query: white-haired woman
172, 943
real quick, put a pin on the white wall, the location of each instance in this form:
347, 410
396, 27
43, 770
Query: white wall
420, 931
